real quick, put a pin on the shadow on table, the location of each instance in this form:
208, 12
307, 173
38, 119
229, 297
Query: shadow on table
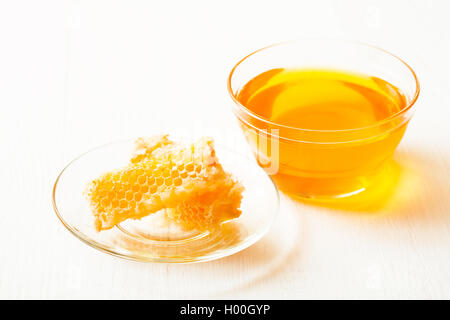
411, 186
271, 255
259, 263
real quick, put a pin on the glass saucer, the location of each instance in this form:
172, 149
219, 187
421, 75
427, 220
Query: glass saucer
155, 238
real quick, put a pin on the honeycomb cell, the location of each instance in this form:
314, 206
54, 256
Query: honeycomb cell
166, 173
105, 202
132, 178
159, 181
123, 178
177, 182
111, 195
135, 188
123, 203
192, 173
129, 195
102, 193
108, 185
138, 197
157, 173
121, 194
184, 175
144, 188
142, 180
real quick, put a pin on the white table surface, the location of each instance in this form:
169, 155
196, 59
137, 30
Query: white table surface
76, 74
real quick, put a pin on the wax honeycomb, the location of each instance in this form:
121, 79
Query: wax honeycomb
185, 180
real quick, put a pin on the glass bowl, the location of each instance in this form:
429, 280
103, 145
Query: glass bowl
155, 238
323, 164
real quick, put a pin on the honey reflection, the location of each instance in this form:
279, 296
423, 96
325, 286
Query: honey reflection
413, 186
397, 183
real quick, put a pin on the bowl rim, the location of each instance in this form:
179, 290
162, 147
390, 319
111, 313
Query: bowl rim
324, 40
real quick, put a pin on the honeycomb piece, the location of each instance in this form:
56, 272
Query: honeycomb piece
187, 180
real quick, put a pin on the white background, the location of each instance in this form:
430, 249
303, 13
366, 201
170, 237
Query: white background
76, 74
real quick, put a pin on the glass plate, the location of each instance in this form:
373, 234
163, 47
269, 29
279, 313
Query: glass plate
155, 238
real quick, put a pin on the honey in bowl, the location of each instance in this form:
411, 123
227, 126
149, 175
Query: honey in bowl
334, 129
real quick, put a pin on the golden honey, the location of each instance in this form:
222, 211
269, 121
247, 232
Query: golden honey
328, 131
